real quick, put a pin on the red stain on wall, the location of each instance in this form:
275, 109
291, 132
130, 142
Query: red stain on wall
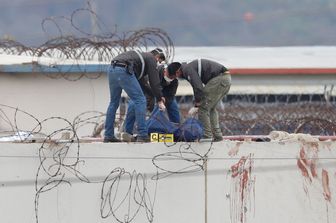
303, 169
238, 167
325, 184
234, 151
242, 185
307, 163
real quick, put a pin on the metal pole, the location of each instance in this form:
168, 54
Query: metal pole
206, 190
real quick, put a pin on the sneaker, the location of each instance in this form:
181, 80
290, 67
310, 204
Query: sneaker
206, 139
126, 137
218, 138
262, 139
143, 139
107, 140
210, 139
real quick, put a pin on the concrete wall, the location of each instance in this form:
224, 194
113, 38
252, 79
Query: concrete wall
44, 97
228, 181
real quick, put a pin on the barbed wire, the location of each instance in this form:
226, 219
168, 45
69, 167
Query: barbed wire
70, 43
315, 118
61, 162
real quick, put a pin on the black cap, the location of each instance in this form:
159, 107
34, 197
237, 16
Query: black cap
157, 51
173, 67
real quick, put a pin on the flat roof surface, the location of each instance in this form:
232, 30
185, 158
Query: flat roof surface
263, 57
241, 60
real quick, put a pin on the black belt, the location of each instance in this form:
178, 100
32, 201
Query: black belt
118, 64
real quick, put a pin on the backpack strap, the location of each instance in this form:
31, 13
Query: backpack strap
199, 67
142, 64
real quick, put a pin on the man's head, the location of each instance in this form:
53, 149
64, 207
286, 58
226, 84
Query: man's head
172, 71
159, 55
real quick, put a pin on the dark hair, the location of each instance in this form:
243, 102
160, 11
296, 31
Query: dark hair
173, 67
159, 52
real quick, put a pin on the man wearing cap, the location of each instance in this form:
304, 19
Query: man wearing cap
210, 81
159, 55
123, 74
169, 85
144, 83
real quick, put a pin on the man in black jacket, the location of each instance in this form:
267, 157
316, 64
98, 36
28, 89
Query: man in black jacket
123, 74
211, 81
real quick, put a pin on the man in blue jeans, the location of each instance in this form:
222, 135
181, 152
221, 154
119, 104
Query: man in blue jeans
124, 73
169, 85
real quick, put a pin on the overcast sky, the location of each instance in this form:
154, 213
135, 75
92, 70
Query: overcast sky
188, 22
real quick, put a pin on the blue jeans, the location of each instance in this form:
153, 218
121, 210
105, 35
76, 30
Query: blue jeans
120, 80
172, 109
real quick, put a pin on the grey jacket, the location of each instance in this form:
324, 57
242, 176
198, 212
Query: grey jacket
209, 70
134, 62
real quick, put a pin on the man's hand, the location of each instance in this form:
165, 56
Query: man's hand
193, 111
161, 105
197, 104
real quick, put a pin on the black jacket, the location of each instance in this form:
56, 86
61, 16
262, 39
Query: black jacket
209, 70
134, 62
168, 89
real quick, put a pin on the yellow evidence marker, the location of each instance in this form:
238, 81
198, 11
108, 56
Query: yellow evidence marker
159, 137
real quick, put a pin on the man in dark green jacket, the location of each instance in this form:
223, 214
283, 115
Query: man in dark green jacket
210, 81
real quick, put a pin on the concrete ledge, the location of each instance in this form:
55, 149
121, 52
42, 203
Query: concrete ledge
228, 181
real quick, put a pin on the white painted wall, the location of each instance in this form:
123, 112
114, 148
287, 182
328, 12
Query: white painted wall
274, 191
44, 97
40, 94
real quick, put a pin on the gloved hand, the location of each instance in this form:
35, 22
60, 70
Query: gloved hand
161, 105
193, 111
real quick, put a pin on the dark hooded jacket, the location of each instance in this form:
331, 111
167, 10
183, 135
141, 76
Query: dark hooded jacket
132, 59
209, 70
